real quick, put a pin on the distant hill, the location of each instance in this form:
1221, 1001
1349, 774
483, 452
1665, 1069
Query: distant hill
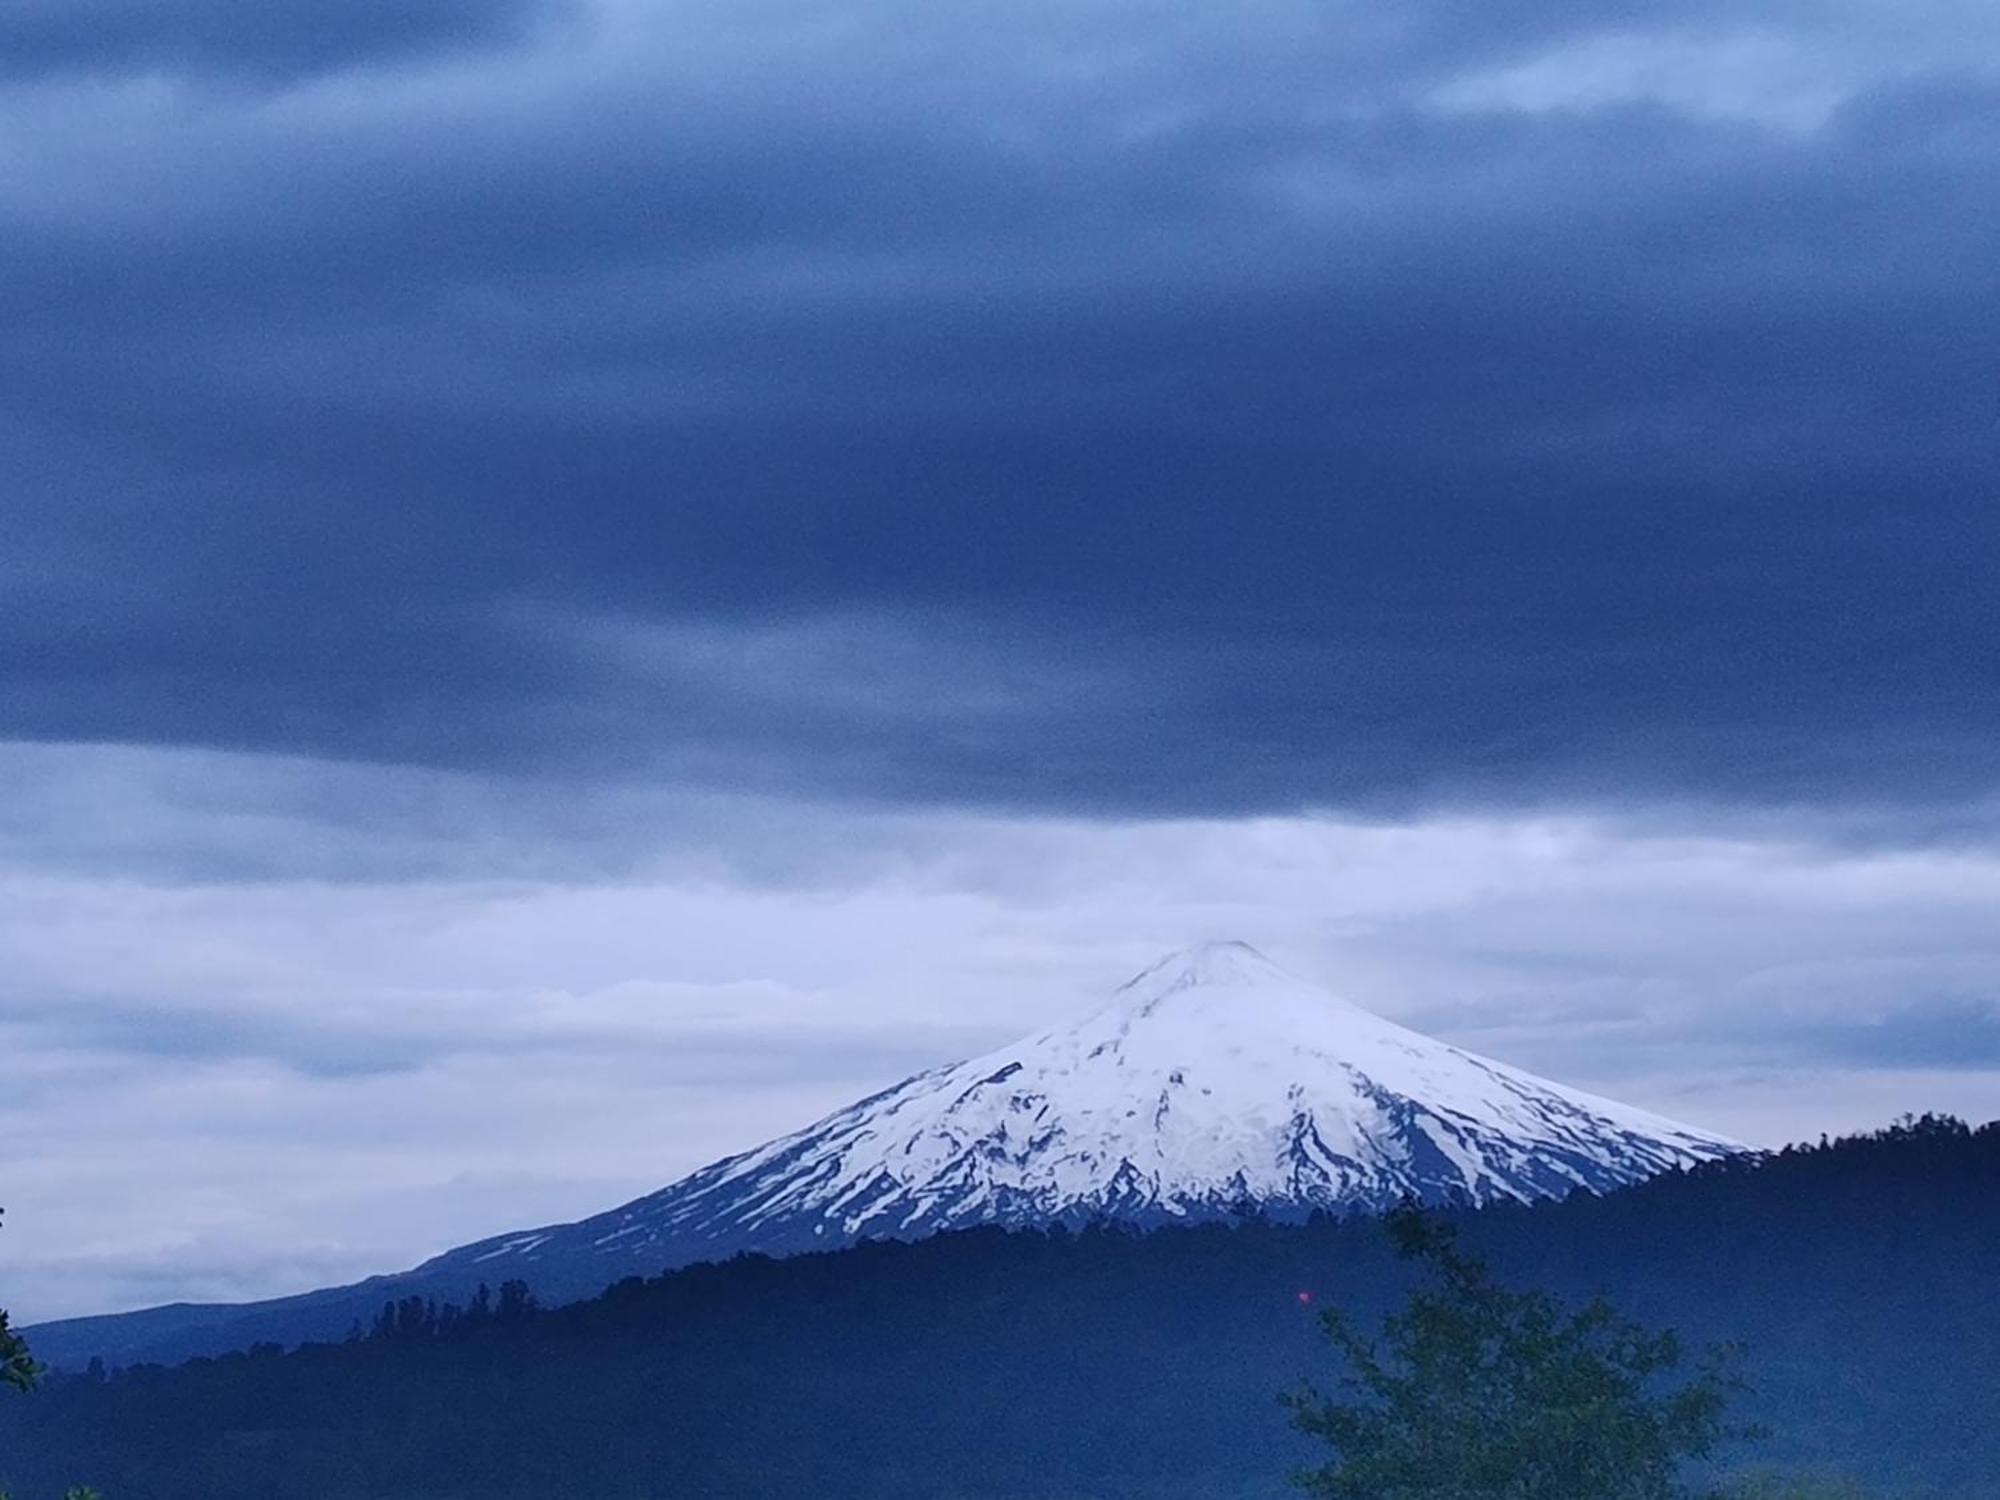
1211, 1084
1863, 1275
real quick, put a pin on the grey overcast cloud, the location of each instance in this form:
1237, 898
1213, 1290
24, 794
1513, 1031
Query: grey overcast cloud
581, 582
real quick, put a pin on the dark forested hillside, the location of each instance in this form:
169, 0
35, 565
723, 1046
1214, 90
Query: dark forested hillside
1863, 1276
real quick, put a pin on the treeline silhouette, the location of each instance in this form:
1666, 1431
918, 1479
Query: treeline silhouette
1862, 1275
426, 1317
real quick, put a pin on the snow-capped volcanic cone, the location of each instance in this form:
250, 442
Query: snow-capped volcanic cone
1213, 1081
1211, 1084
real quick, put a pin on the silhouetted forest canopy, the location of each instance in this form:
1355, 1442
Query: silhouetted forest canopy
1861, 1276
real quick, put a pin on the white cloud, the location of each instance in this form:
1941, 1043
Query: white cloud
1754, 74
1792, 68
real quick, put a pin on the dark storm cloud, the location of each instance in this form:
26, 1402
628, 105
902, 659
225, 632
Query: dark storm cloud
878, 410
263, 40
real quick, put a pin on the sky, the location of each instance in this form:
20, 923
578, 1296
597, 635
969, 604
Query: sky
584, 580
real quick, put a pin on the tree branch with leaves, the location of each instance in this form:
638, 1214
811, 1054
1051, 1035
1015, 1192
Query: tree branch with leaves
17, 1367
1476, 1391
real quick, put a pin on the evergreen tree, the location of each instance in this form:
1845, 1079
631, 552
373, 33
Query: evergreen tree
17, 1367
1476, 1391
19, 1370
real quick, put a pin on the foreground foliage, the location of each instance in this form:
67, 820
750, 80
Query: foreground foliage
1478, 1390
19, 1370
17, 1367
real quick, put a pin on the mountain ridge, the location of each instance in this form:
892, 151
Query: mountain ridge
1212, 1085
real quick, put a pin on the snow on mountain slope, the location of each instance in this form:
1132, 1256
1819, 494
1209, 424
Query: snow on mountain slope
1212, 1083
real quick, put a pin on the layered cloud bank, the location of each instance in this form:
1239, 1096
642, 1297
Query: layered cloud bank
1087, 407
580, 581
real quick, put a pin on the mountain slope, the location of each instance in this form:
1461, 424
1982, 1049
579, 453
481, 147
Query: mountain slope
1211, 1085
1213, 1082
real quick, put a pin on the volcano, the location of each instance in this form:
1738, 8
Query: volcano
1213, 1086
